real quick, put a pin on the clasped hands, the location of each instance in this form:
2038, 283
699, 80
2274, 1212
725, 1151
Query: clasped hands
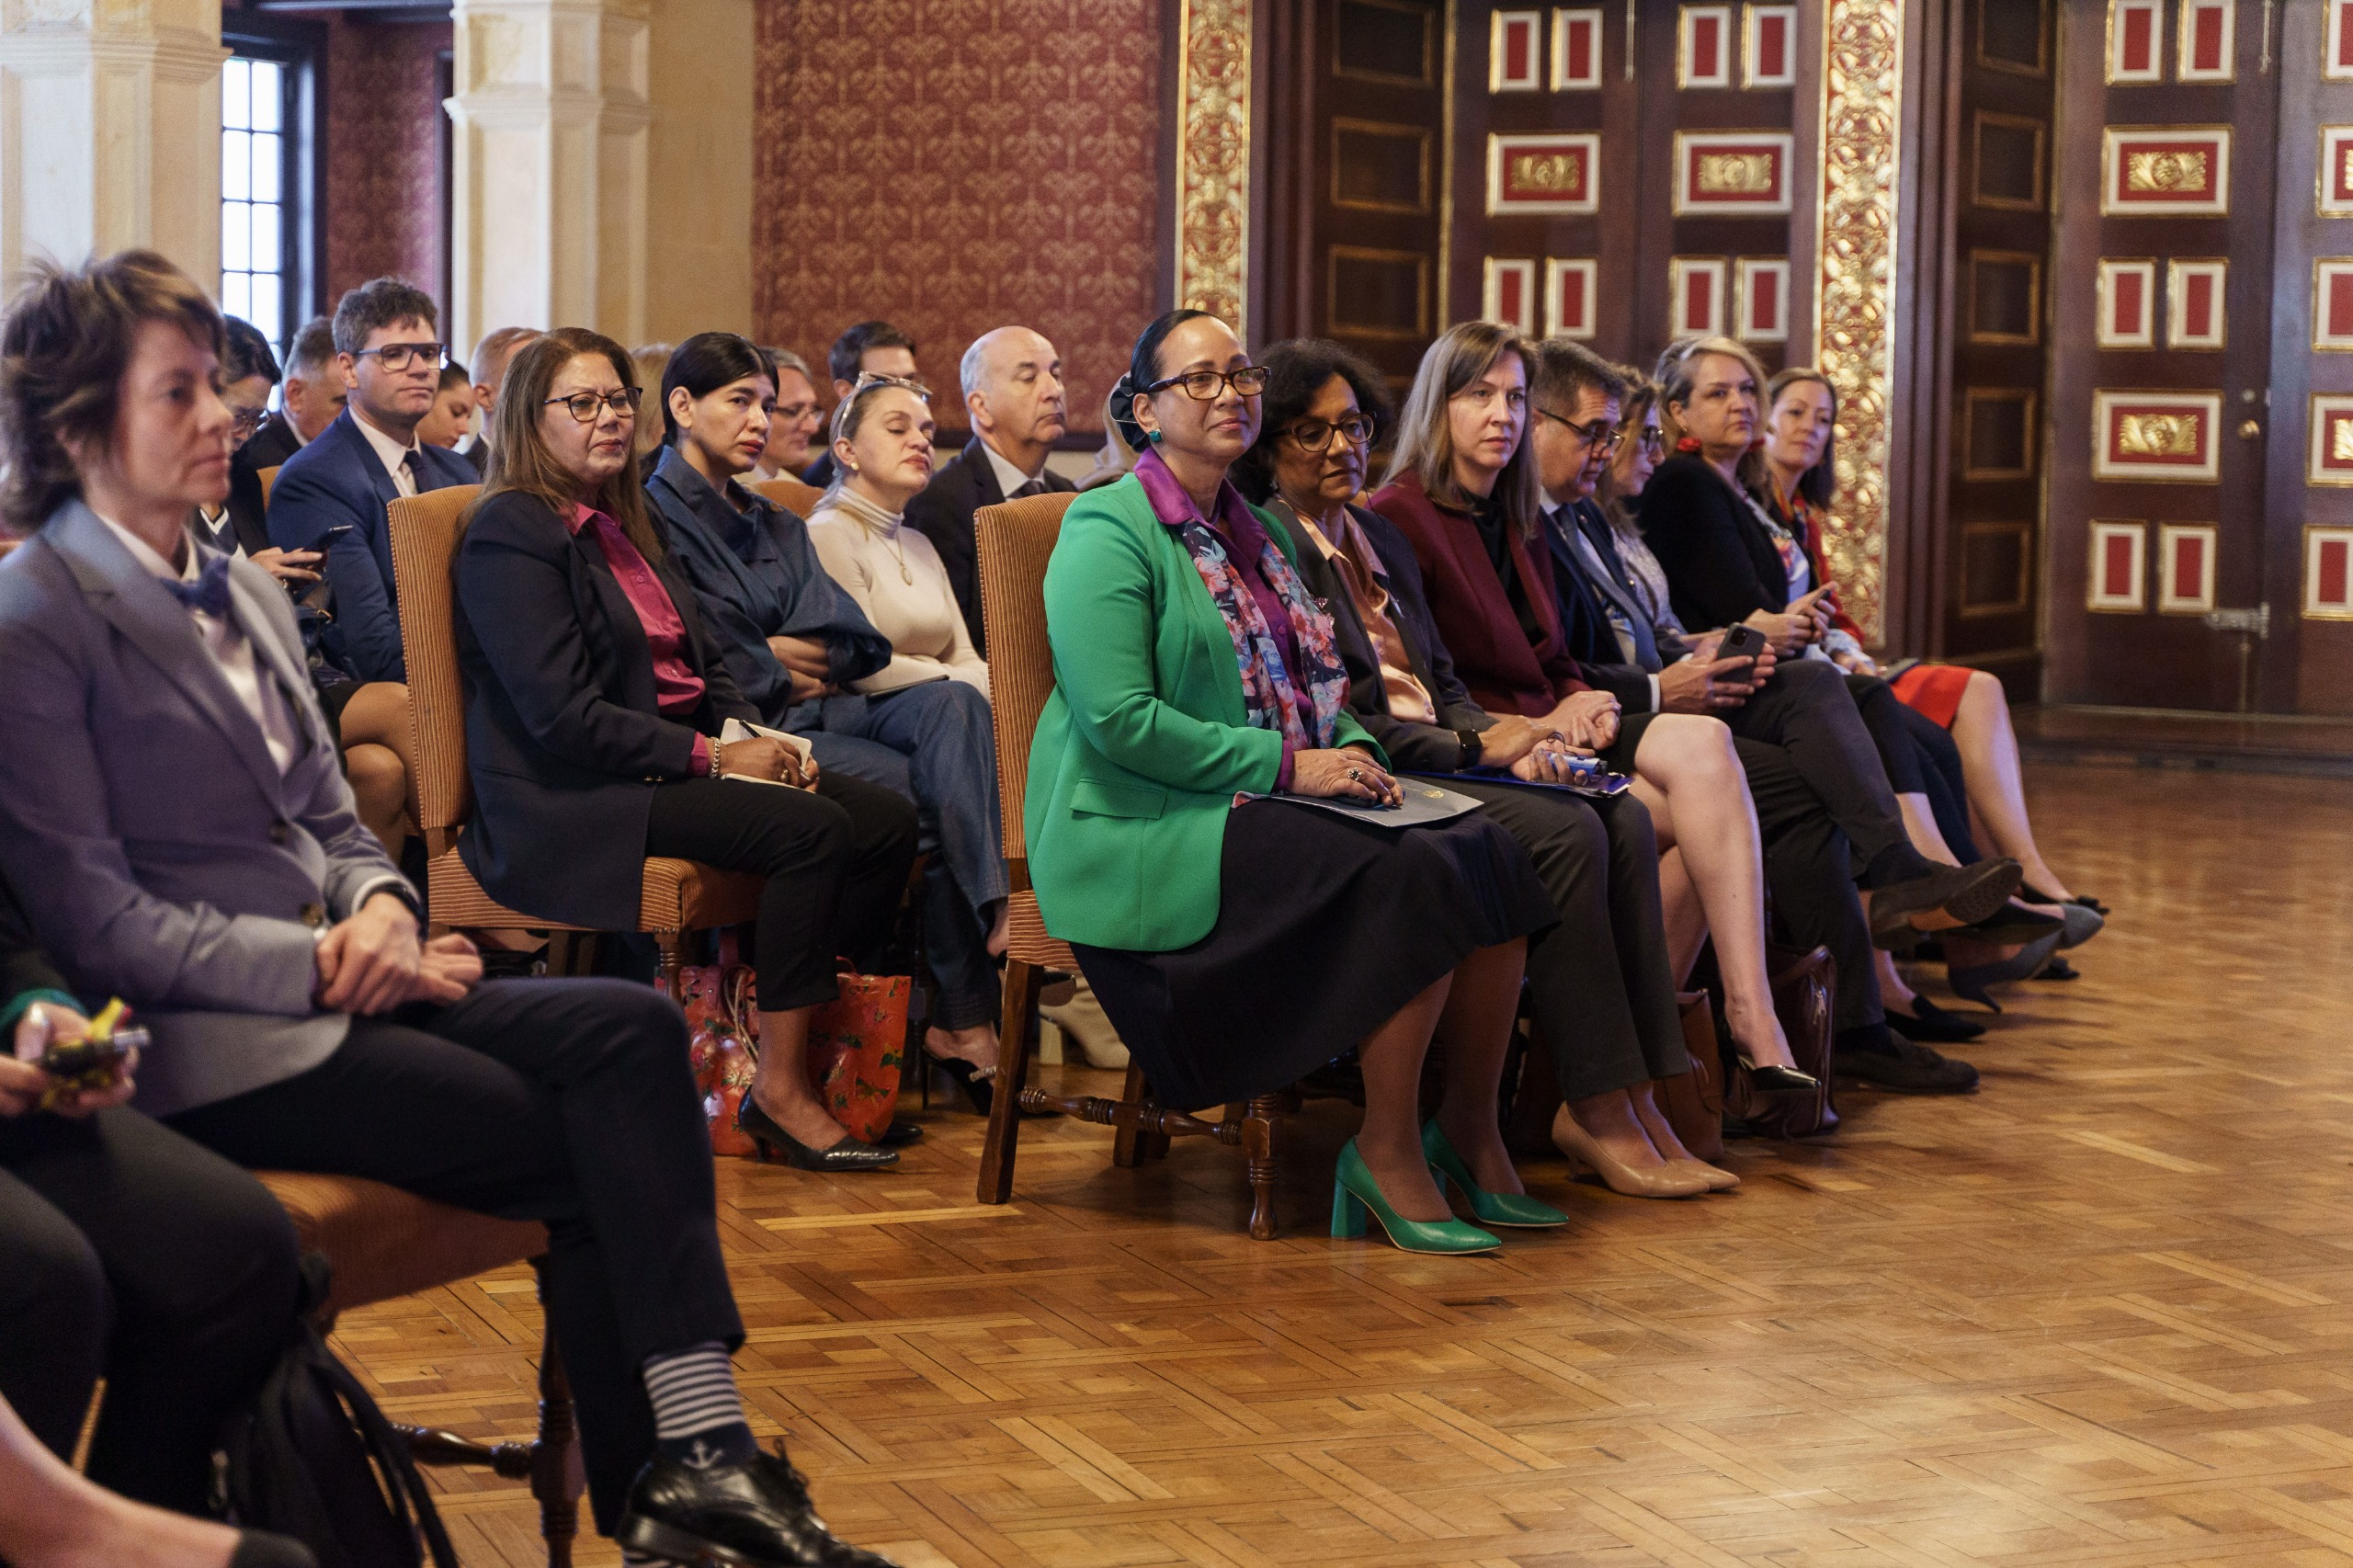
372, 962
810, 663
1539, 751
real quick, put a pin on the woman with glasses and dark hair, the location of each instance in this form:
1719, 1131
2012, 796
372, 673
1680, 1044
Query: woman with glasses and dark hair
1603, 995
796, 642
594, 704
1237, 944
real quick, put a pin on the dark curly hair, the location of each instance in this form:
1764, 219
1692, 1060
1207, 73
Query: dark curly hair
66, 342
1296, 371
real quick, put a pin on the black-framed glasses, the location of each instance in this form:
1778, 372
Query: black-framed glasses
587, 407
401, 355
1313, 436
1206, 386
1598, 435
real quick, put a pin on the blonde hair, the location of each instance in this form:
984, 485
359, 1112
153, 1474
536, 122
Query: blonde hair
1676, 386
1425, 435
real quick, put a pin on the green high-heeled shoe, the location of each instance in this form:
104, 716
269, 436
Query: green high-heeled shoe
1492, 1207
1354, 1191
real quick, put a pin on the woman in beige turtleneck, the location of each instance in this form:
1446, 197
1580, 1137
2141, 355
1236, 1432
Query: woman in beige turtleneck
882, 435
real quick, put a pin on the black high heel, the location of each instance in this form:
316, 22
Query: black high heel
849, 1154
975, 1081
1932, 1024
1778, 1080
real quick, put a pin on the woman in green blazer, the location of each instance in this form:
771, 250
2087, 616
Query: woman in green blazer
1238, 946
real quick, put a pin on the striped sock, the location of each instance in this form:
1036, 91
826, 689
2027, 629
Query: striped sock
698, 1418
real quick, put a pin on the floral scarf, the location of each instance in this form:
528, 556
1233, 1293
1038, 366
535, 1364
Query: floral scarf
1303, 707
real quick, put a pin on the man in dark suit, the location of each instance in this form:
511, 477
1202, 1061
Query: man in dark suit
871, 346
313, 394
1824, 805
1013, 389
335, 492
492, 354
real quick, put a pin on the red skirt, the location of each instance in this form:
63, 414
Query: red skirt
1933, 690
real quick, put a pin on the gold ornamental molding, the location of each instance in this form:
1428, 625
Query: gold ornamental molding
1213, 159
1862, 73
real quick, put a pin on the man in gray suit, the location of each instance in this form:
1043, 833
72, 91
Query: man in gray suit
174, 824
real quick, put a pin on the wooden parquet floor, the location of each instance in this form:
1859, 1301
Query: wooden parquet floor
2095, 1314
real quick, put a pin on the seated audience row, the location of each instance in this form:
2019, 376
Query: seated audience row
222, 884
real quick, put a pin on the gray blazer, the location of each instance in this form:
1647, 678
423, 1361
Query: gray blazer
158, 853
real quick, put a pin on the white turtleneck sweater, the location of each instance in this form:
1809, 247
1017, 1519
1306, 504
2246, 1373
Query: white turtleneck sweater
873, 555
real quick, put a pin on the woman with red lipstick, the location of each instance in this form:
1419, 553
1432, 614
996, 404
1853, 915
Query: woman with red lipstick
594, 701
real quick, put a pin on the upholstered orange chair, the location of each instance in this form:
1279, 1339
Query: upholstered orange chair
1015, 539
680, 896
382, 1243
789, 494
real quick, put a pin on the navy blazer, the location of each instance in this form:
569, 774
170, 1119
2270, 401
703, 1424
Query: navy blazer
942, 511
756, 576
273, 443
565, 738
338, 479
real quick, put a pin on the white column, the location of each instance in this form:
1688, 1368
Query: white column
110, 131
549, 206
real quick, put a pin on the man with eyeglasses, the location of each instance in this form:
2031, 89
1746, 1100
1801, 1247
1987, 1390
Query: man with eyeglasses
333, 493
240, 524
1810, 762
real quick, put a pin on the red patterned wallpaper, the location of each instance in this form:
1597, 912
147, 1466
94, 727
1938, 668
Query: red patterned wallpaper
383, 154
954, 166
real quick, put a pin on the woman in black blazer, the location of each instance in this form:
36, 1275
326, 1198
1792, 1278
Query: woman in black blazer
593, 704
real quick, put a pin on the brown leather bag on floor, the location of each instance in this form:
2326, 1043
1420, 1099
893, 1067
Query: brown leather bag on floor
1693, 1102
1802, 984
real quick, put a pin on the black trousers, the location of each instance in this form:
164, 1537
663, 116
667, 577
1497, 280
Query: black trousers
1810, 867
1807, 710
836, 861
1603, 995
129, 1252
568, 1101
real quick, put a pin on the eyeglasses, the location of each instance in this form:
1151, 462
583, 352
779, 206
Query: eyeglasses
1652, 439
587, 407
1313, 436
1206, 386
877, 378
244, 422
401, 355
1599, 436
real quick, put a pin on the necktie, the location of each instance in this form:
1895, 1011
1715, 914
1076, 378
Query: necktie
1034, 487
209, 593
409, 461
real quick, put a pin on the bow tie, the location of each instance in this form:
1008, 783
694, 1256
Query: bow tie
209, 593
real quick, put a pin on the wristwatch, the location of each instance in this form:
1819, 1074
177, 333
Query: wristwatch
1473, 749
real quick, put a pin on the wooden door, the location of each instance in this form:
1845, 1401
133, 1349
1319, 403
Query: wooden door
1355, 177
2166, 434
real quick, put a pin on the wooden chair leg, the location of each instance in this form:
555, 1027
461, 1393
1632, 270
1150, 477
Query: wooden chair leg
1022, 983
552, 1467
1133, 1146
668, 942
1262, 1117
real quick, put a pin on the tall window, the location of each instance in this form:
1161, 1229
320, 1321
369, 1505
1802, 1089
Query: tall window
257, 195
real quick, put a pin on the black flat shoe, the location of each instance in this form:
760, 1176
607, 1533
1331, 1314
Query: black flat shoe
900, 1133
849, 1154
1934, 1025
755, 1515
1778, 1080
2059, 969
1965, 895
1908, 1069
2081, 901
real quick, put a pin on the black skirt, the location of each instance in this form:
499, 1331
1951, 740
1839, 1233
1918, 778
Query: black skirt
1325, 928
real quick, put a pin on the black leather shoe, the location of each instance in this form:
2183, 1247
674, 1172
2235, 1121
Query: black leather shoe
1936, 1026
849, 1154
2014, 925
1907, 1069
755, 1514
1966, 894
900, 1133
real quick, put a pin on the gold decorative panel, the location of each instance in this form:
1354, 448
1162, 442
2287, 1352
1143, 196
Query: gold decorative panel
1213, 159
1854, 329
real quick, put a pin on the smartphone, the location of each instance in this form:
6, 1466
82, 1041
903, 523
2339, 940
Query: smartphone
336, 532
1743, 641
